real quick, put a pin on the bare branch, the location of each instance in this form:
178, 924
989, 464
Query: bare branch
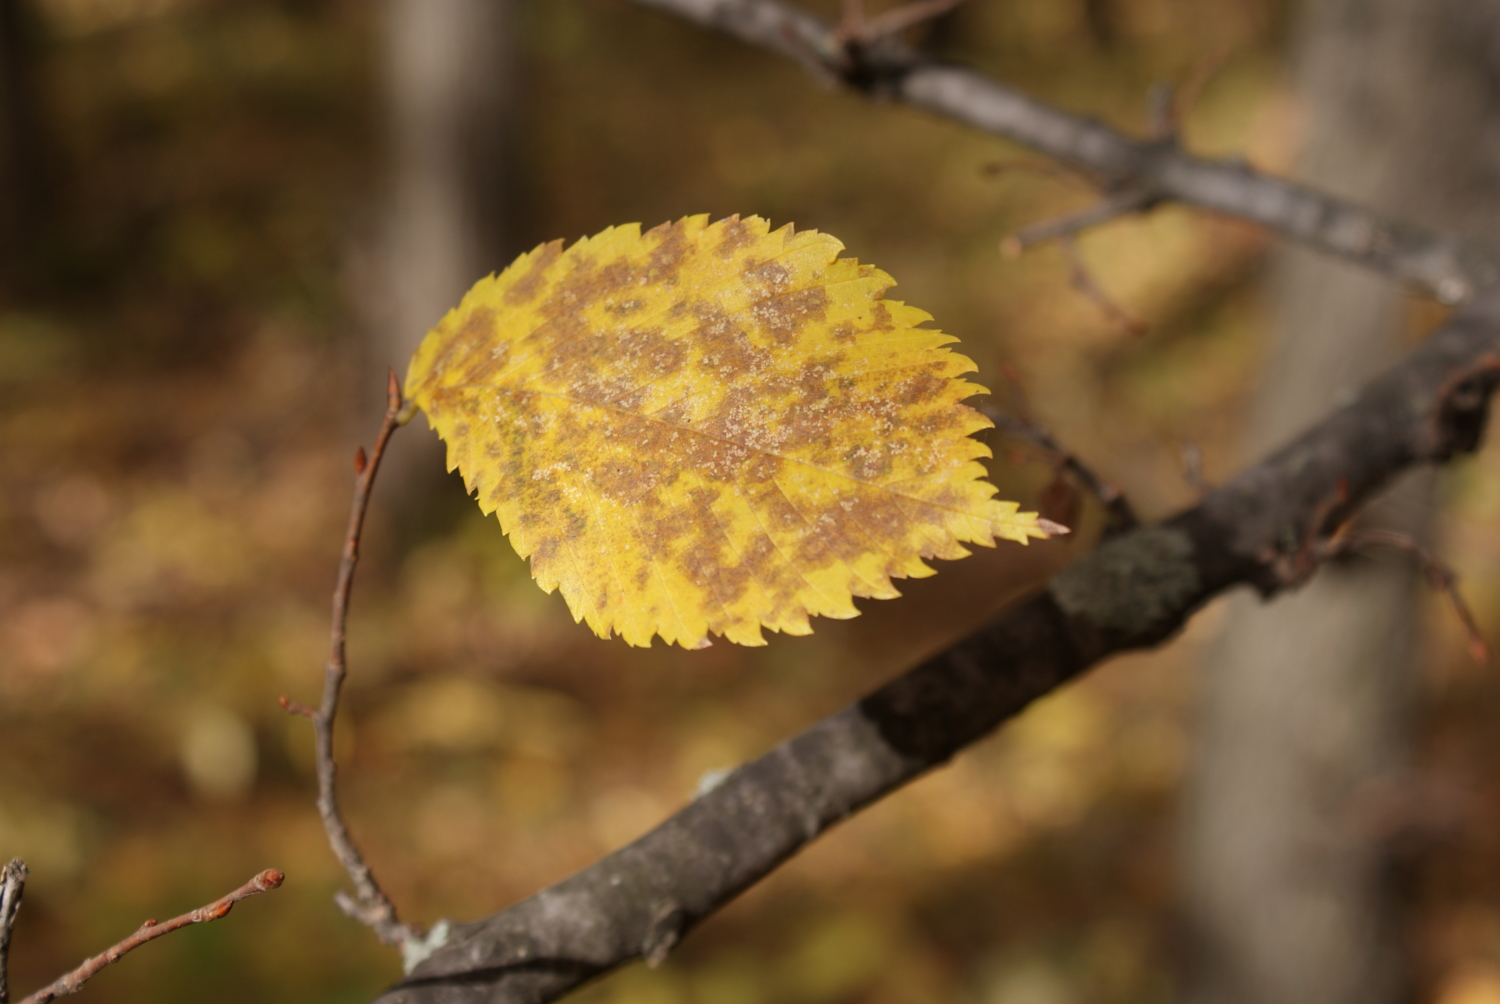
151, 930
1111, 207
1192, 469
1084, 282
1119, 515
1450, 269
369, 905
856, 27
1161, 111
1440, 576
1204, 69
12, 887
1058, 172
1132, 592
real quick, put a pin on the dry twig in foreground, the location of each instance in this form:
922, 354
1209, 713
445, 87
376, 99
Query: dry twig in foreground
149, 931
369, 905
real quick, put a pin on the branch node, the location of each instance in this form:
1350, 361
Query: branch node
663, 934
293, 708
1083, 281
415, 950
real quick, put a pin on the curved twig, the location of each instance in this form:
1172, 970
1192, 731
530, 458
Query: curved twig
369, 905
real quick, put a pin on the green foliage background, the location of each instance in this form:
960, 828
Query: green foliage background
185, 365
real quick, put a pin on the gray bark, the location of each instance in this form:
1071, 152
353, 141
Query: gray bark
1306, 703
1152, 170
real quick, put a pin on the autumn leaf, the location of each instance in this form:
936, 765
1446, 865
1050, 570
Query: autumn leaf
710, 428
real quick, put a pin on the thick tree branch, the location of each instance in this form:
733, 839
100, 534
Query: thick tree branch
1150, 171
1266, 529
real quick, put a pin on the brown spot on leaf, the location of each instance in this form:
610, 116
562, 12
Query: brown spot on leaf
736, 235
763, 468
770, 277
666, 260
488, 358
923, 386
624, 481
529, 285
715, 458
723, 345
782, 317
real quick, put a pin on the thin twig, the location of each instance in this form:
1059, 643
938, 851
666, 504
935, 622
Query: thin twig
1161, 111
150, 930
1111, 207
1167, 105
1064, 173
1192, 469
369, 905
1083, 281
1439, 575
1203, 70
856, 27
1119, 515
12, 887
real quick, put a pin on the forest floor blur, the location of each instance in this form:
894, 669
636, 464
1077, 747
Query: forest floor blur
184, 355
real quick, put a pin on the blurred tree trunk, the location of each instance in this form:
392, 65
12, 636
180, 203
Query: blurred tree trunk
1288, 882
450, 74
24, 190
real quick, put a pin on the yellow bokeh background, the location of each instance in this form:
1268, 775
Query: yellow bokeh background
185, 362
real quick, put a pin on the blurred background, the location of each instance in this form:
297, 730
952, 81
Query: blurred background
222, 219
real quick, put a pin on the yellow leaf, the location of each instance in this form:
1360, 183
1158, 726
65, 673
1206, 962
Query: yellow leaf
710, 428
